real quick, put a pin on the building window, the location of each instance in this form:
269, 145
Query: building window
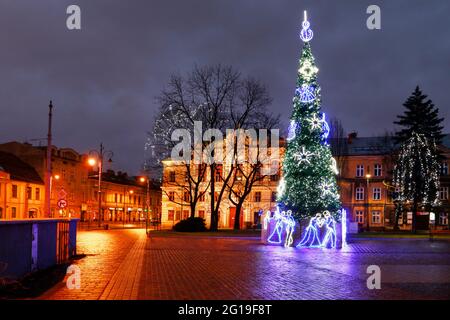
185, 214
186, 196
443, 218
121, 199
377, 170
443, 193
359, 193
172, 176
171, 196
218, 173
201, 214
258, 196
216, 196
359, 170
274, 197
178, 215
170, 215
376, 217
14, 191
376, 193
13, 212
444, 168
29, 193
202, 198
115, 197
38, 194
359, 214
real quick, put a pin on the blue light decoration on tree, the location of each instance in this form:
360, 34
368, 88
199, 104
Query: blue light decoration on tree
308, 188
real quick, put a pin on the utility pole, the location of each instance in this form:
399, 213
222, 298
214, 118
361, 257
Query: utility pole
100, 168
48, 173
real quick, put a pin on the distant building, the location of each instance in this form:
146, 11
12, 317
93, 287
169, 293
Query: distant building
123, 200
365, 181
123, 197
21, 189
175, 195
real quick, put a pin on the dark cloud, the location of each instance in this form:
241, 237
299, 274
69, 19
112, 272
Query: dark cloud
103, 79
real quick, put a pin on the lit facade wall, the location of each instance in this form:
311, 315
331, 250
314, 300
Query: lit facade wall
19, 199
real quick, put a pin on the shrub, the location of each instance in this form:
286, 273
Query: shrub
196, 224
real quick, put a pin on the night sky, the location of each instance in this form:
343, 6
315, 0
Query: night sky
103, 79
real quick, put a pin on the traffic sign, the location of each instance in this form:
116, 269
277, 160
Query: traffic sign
62, 203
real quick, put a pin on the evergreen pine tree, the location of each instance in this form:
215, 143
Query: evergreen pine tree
309, 183
421, 117
416, 176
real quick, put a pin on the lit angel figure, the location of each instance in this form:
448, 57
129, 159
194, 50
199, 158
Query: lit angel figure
329, 240
281, 187
333, 166
290, 225
303, 155
311, 237
306, 93
276, 235
266, 220
291, 132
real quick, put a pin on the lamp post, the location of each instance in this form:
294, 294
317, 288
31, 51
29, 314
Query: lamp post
96, 157
53, 177
368, 176
147, 201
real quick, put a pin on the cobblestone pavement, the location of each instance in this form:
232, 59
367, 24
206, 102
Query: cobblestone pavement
110, 256
190, 267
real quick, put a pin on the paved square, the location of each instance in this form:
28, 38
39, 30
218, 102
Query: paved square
124, 264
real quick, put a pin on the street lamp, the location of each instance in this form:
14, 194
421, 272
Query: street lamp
96, 158
147, 201
53, 177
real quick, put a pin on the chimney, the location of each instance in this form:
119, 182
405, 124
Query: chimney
352, 135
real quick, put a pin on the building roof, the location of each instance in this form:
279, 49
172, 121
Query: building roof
18, 169
354, 146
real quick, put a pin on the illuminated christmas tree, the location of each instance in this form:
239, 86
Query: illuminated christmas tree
308, 186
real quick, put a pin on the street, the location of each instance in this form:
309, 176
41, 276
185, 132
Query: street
124, 264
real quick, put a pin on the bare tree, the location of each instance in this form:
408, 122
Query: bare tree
219, 98
338, 143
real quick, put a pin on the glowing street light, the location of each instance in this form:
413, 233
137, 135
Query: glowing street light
96, 158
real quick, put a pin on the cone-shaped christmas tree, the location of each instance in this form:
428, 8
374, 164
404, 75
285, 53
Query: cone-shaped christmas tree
309, 183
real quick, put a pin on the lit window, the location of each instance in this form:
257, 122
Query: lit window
443, 193
376, 217
444, 168
443, 218
377, 170
14, 191
376, 193
359, 193
359, 214
360, 170
274, 197
170, 215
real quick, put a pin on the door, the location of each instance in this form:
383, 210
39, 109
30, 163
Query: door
232, 217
